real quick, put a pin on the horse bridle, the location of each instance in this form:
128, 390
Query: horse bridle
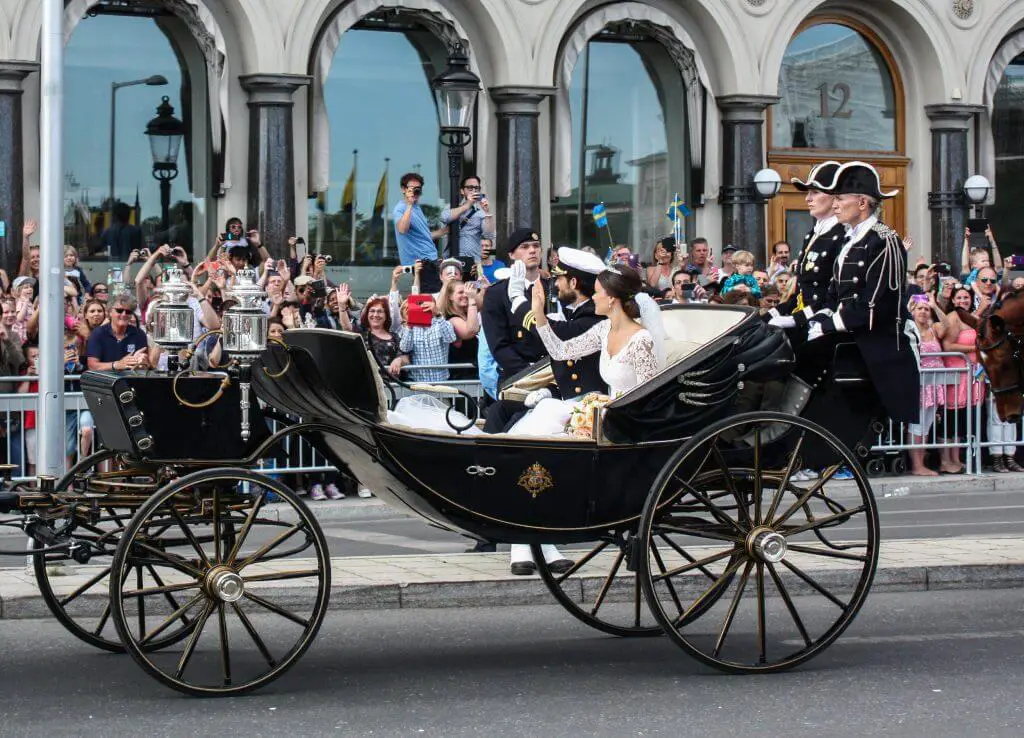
1016, 340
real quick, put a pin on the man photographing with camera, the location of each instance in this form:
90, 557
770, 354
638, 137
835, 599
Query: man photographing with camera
413, 235
474, 216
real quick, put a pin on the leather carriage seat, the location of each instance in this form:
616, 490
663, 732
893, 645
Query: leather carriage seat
688, 329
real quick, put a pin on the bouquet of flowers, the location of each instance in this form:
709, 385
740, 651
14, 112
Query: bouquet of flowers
581, 418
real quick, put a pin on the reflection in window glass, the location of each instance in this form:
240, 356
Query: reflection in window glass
626, 154
379, 103
837, 94
1008, 135
103, 50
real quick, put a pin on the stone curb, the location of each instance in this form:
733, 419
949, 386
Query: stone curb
504, 591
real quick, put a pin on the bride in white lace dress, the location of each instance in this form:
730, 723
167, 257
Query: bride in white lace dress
631, 352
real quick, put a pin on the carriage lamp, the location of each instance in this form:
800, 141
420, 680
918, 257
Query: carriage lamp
244, 333
767, 182
174, 321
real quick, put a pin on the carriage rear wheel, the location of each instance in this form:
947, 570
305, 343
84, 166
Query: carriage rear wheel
749, 570
255, 578
79, 595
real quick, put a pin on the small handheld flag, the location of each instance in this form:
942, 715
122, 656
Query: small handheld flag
677, 208
600, 216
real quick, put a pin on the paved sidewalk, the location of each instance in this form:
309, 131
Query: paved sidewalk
483, 580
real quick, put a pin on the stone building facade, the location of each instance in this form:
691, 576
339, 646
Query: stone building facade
287, 100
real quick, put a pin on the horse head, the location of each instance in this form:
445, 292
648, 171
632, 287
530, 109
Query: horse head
1000, 337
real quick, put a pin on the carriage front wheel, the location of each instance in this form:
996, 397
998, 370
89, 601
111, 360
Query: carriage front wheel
253, 577
774, 564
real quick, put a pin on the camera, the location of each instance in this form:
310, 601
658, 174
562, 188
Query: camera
943, 269
326, 257
115, 276
923, 299
689, 288
417, 190
407, 270
1017, 260
301, 240
319, 287
229, 236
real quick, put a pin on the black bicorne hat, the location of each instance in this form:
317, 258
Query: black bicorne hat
858, 178
819, 178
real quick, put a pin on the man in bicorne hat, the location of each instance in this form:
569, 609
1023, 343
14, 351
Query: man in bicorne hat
865, 300
820, 248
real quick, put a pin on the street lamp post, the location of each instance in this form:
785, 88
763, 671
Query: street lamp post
976, 190
165, 133
157, 80
455, 90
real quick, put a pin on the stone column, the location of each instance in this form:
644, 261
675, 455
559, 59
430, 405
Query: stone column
271, 198
743, 216
12, 174
949, 125
518, 187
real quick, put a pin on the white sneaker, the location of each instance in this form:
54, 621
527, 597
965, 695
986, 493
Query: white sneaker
301, 491
804, 475
364, 493
333, 492
317, 493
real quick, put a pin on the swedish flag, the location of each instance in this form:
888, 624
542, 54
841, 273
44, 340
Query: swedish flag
600, 215
677, 209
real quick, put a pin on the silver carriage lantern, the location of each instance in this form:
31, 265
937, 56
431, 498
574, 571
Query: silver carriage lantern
244, 333
174, 320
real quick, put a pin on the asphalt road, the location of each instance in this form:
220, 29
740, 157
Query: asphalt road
929, 664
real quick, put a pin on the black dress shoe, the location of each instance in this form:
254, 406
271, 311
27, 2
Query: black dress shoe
482, 547
523, 568
560, 566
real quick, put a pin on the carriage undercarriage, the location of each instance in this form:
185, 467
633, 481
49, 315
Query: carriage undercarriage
188, 566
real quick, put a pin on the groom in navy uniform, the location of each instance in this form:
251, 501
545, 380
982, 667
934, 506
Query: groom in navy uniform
575, 277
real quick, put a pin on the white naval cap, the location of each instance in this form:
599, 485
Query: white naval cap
581, 261
502, 273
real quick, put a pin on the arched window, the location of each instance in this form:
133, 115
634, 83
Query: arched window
628, 153
837, 93
383, 122
105, 51
1008, 137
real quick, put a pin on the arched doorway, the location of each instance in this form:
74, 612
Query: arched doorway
629, 129
375, 118
111, 52
841, 98
1008, 142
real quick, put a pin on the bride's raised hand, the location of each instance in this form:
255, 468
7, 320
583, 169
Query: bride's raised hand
537, 303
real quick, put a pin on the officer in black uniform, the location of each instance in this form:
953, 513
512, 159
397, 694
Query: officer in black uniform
820, 248
575, 276
865, 301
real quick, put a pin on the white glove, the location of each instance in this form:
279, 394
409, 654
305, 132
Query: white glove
783, 321
814, 331
517, 285
536, 396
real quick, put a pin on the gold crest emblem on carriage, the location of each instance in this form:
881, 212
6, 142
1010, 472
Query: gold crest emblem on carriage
536, 479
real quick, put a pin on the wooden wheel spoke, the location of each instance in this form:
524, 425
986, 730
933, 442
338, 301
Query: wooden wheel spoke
276, 609
193, 639
217, 543
581, 562
668, 582
104, 617
162, 589
824, 522
685, 554
784, 593
171, 619
270, 546
698, 532
243, 533
807, 494
695, 564
251, 630
762, 625
721, 581
225, 648
67, 599
173, 560
275, 576
190, 536
827, 552
757, 475
730, 614
813, 583
730, 485
608, 582
167, 594
140, 601
711, 507
784, 482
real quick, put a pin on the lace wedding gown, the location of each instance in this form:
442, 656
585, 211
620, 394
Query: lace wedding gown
634, 364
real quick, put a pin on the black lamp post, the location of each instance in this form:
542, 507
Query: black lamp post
165, 133
455, 90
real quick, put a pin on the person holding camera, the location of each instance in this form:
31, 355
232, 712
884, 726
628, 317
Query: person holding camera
413, 235
474, 216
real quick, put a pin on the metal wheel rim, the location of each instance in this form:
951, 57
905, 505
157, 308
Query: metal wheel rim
749, 571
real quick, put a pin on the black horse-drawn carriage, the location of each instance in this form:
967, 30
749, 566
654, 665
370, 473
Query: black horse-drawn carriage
215, 576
